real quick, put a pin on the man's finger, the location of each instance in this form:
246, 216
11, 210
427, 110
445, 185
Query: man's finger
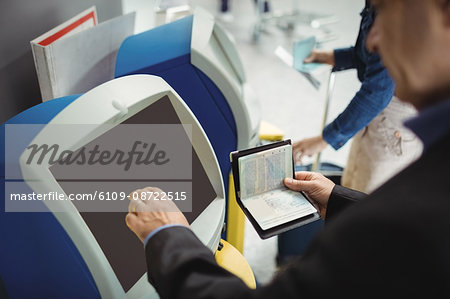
131, 219
164, 206
303, 175
297, 185
136, 206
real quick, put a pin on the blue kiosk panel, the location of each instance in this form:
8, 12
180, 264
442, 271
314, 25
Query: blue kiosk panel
165, 51
34, 247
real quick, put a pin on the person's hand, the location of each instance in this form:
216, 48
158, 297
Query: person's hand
321, 56
147, 214
307, 147
315, 185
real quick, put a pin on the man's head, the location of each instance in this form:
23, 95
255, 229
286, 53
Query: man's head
413, 39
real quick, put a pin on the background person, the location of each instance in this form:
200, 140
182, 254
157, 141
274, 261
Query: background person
382, 146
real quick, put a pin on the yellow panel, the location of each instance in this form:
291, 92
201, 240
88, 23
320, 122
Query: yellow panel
236, 219
232, 260
270, 132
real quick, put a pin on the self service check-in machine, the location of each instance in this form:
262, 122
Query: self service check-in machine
72, 248
198, 58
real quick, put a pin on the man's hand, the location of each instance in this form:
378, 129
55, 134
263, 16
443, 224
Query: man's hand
315, 185
144, 216
307, 147
321, 56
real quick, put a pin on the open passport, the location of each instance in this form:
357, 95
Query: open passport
261, 193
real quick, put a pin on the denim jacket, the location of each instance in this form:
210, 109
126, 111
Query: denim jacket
376, 90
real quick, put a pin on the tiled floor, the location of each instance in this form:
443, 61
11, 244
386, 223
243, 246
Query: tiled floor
287, 98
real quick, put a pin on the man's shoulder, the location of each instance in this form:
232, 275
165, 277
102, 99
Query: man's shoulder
426, 178
410, 201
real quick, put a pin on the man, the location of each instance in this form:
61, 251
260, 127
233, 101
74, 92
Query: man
394, 243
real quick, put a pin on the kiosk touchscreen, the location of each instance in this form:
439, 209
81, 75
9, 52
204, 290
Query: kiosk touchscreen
82, 248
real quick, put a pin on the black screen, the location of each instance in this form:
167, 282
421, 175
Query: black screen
122, 248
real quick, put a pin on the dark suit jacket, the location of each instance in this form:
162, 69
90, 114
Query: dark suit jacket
395, 243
